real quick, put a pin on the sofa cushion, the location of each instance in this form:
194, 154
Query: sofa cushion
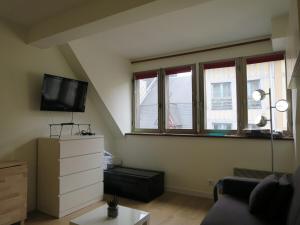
280, 203
294, 212
262, 194
240, 187
232, 211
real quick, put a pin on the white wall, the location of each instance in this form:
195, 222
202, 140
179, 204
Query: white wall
296, 125
22, 122
189, 162
111, 77
227, 53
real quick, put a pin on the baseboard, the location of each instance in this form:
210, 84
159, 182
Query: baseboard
188, 191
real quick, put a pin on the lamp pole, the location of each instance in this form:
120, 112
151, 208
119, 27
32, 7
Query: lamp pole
271, 129
281, 106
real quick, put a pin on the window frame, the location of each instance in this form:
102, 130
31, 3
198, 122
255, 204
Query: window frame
198, 101
202, 101
194, 101
289, 131
146, 130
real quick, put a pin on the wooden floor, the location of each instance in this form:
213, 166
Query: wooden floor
169, 209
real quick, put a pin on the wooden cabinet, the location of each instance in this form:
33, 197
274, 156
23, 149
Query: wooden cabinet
70, 173
13, 192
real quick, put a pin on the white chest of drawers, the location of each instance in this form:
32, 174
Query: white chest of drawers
70, 173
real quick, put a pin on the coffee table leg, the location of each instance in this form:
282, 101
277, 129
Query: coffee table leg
145, 222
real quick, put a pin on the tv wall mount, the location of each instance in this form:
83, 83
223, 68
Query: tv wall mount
73, 126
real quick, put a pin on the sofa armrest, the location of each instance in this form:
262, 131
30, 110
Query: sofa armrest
238, 186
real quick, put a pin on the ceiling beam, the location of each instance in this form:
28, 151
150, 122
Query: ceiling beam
98, 16
280, 32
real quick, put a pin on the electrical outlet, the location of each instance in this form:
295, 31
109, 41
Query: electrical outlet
211, 183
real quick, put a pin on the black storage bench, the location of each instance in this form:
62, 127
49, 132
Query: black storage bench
138, 184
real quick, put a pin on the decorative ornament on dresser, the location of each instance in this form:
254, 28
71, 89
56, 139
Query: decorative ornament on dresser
112, 209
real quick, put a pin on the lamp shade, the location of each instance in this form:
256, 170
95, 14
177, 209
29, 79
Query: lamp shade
258, 95
282, 105
261, 121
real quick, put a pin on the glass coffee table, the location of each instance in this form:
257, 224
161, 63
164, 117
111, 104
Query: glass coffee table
127, 216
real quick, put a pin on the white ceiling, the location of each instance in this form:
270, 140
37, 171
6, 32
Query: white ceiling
208, 23
30, 12
213, 22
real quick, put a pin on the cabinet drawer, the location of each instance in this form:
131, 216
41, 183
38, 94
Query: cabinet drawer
80, 197
78, 180
13, 184
12, 217
17, 202
80, 163
69, 148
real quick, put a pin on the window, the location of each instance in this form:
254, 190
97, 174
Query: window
253, 85
270, 71
169, 100
146, 100
179, 98
252, 126
222, 126
220, 95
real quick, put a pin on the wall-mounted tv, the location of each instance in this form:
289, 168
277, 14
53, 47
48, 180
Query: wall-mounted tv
63, 94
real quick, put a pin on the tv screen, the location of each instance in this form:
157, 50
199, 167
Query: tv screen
63, 94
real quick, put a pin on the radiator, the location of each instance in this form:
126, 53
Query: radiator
259, 174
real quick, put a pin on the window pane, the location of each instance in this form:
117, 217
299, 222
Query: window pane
179, 107
226, 90
222, 126
220, 98
253, 85
146, 98
216, 89
263, 76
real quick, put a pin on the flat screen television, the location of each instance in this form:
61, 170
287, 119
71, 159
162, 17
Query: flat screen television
63, 94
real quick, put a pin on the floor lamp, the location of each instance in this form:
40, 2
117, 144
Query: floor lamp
261, 121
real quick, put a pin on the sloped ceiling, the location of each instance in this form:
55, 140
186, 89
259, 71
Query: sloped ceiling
209, 23
30, 12
138, 29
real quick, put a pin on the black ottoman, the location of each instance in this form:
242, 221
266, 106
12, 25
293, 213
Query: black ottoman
138, 184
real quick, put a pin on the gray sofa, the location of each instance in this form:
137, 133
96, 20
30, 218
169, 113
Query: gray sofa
232, 207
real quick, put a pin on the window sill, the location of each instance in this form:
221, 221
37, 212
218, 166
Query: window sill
285, 138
